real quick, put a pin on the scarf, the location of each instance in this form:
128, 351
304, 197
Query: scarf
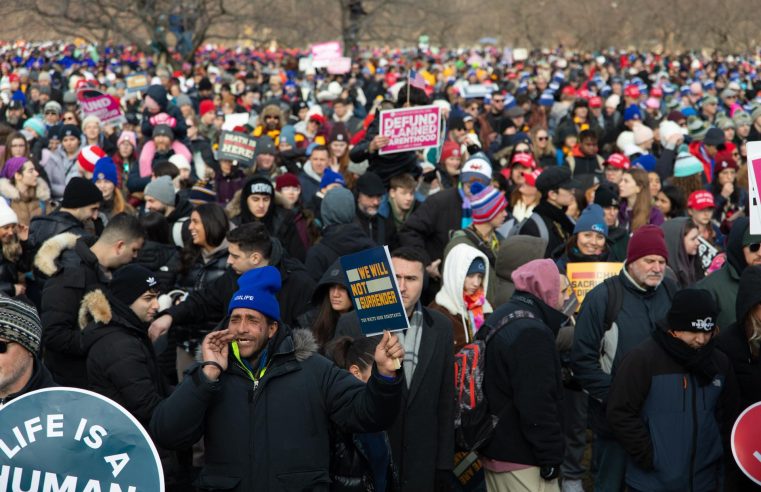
410, 339
467, 213
698, 362
475, 304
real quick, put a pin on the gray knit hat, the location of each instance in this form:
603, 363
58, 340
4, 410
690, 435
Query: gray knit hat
162, 189
20, 323
337, 207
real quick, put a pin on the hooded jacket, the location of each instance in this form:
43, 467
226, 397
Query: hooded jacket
515, 251
559, 227
121, 363
449, 299
723, 283
26, 209
45, 227
522, 385
273, 433
337, 240
686, 269
74, 271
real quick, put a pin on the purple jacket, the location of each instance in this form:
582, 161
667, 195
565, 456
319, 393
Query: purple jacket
625, 216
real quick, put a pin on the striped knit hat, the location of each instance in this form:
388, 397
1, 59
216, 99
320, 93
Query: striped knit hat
88, 156
20, 323
486, 203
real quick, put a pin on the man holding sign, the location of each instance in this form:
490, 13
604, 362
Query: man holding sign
422, 437
262, 398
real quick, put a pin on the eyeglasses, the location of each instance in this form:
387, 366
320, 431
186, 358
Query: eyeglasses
4, 346
51, 112
754, 247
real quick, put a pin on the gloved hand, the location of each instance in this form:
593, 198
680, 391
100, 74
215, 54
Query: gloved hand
429, 176
549, 472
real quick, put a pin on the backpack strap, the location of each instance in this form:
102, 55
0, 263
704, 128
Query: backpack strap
615, 300
177, 231
506, 320
544, 233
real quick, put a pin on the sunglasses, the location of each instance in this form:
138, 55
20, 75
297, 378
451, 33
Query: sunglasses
51, 112
4, 347
542, 139
498, 100
754, 247
271, 117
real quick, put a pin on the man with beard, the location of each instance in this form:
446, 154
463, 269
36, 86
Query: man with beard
370, 191
645, 297
646, 403
14, 115
21, 371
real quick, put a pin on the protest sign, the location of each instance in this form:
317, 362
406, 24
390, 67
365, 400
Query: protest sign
339, 66
235, 119
323, 53
137, 82
95, 103
746, 442
373, 290
236, 146
73, 439
754, 174
477, 91
413, 128
586, 276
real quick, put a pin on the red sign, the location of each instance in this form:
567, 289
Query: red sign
746, 442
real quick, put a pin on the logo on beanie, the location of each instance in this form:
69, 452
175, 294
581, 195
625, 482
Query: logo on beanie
261, 188
101, 176
598, 228
244, 298
151, 281
705, 324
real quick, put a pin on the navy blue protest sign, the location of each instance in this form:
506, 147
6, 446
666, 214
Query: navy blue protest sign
374, 291
75, 440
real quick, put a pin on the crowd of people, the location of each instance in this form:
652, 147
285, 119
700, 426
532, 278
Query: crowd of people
205, 295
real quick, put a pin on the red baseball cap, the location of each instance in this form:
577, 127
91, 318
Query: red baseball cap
619, 161
568, 91
656, 91
525, 160
700, 200
595, 102
530, 177
631, 91
318, 118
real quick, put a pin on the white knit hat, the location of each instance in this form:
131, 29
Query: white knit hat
180, 162
7, 215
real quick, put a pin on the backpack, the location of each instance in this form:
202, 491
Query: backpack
473, 423
513, 228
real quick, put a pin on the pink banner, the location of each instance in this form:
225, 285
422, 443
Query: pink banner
95, 103
410, 128
339, 66
324, 53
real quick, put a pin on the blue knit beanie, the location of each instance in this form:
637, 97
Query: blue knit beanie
105, 169
592, 219
329, 177
257, 290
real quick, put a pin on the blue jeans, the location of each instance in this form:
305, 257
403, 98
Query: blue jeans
610, 463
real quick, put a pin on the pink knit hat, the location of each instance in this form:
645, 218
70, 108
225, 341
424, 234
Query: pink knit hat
129, 137
540, 278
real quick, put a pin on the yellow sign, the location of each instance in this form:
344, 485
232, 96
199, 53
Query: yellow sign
586, 276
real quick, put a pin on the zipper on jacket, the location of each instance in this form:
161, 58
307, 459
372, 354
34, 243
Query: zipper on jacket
694, 443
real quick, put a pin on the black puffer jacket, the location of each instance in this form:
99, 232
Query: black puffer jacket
337, 240
200, 276
351, 469
161, 259
74, 271
523, 386
430, 225
273, 434
121, 363
44, 227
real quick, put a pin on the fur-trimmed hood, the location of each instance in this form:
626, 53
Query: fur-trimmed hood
51, 250
10, 192
94, 307
304, 344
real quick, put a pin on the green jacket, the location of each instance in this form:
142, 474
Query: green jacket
723, 284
